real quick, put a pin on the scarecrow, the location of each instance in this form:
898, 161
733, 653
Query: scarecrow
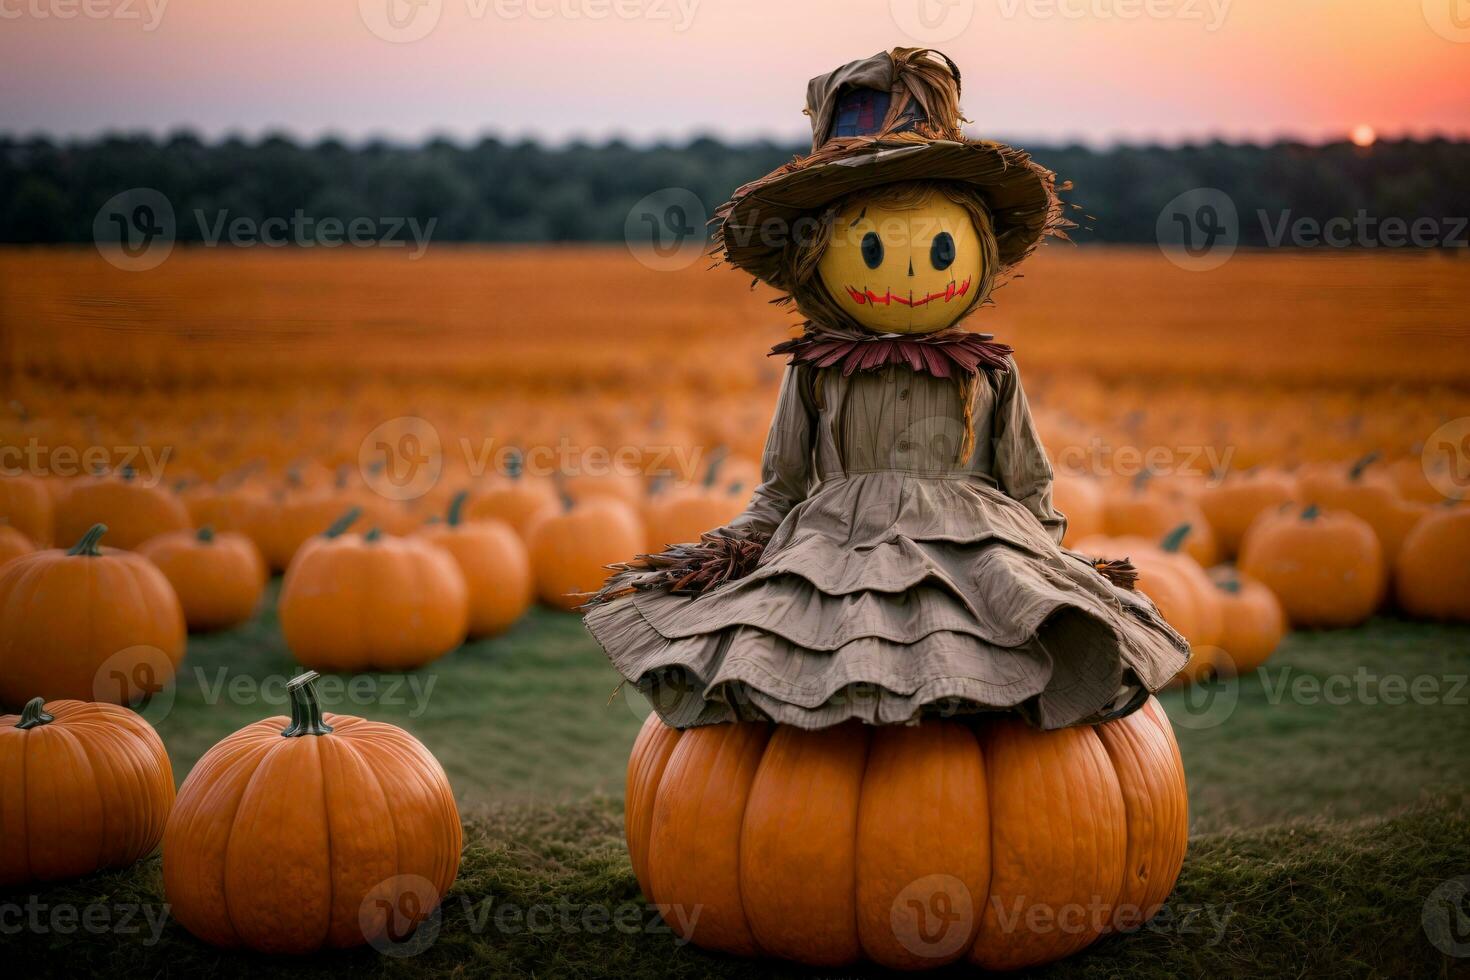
897, 588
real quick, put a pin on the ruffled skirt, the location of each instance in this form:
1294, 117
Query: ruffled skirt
890, 597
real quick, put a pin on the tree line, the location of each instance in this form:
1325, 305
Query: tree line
502, 191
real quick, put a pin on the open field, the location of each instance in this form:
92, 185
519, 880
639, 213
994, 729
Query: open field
1329, 790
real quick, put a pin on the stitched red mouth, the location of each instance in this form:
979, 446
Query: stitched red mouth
861, 297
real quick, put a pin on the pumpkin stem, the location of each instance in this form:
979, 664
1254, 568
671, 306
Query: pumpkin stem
567, 502
1311, 512
1141, 480
126, 473
1356, 472
373, 534
717, 459
34, 714
514, 465
87, 546
1175, 539
206, 534
1231, 585
306, 713
340, 525
456, 508
735, 488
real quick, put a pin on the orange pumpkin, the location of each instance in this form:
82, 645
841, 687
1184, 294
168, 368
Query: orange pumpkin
26, 505
1253, 621
1238, 499
1081, 500
371, 602
132, 510
571, 549
1432, 577
495, 565
1326, 567
335, 835
219, 578
1144, 511
517, 500
1370, 495
682, 515
912, 846
83, 787
13, 544
89, 624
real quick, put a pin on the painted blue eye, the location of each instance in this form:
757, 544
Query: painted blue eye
941, 253
872, 250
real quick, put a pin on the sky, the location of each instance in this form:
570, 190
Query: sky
1095, 71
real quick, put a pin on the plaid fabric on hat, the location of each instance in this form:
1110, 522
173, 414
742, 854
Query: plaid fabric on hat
860, 112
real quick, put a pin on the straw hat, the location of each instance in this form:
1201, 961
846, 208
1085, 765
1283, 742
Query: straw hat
892, 117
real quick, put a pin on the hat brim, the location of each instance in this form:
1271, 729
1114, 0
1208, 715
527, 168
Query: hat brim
756, 223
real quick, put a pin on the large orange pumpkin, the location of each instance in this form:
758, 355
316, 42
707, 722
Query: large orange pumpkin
371, 601
571, 549
219, 578
911, 846
1433, 572
25, 504
1326, 567
89, 624
495, 565
132, 510
336, 834
83, 787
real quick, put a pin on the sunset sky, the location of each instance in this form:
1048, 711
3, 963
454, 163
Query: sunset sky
1094, 70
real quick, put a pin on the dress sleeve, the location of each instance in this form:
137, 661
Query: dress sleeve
1021, 465
786, 464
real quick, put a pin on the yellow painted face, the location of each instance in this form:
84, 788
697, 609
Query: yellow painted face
913, 269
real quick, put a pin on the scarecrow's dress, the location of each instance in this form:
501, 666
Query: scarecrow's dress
897, 583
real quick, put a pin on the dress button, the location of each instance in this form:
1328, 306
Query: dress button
903, 446
903, 394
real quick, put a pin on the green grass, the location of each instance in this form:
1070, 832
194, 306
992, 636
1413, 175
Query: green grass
1318, 829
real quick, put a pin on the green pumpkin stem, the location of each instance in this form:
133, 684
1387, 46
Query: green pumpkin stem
1174, 540
34, 714
373, 534
1355, 473
306, 713
1311, 513
1140, 482
340, 525
87, 546
1231, 585
561, 491
456, 508
717, 460
206, 534
514, 464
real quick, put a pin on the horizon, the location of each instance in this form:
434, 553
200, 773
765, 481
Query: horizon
1045, 72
